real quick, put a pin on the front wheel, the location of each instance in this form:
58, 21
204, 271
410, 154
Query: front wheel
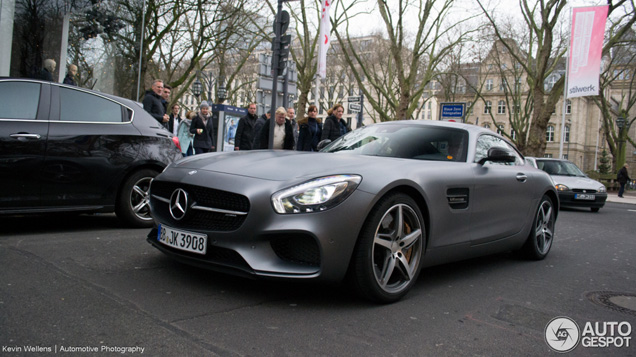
133, 202
540, 240
388, 255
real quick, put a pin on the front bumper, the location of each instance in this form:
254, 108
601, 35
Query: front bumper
568, 199
266, 244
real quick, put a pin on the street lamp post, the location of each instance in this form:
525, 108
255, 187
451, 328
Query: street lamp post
208, 81
620, 123
222, 92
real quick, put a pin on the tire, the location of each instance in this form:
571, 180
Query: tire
539, 241
133, 203
387, 258
595, 209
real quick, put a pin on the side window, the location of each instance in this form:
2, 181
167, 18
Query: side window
19, 100
486, 142
80, 106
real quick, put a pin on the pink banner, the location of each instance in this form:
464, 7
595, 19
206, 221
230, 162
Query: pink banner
586, 47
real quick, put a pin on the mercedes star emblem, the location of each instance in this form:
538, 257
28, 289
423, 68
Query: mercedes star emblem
178, 204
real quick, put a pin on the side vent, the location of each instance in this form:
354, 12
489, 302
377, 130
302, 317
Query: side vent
457, 198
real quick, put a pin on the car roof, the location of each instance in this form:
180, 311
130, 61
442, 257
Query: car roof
122, 100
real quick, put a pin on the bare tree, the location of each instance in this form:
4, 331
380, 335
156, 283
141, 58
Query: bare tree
411, 58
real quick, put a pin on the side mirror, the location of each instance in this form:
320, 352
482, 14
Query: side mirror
323, 143
499, 154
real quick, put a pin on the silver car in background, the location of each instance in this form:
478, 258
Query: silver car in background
374, 207
575, 188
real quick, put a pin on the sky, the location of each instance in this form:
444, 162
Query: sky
365, 24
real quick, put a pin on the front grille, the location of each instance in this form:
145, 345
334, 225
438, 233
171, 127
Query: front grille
578, 190
296, 248
206, 197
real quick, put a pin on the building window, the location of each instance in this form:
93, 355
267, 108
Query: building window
500, 129
568, 107
469, 108
489, 84
567, 134
487, 107
501, 107
547, 156
549, 134
518, 85
503, 86
487, 125
551, 82
513, 134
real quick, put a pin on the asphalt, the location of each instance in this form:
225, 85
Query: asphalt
628, 197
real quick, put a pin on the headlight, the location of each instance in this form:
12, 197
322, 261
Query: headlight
316, 195
602, 189
562, 187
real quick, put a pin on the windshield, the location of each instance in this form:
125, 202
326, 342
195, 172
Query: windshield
404, 141
561, 168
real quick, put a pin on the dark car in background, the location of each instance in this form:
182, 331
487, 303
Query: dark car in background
69, 149
574, 187
376, 205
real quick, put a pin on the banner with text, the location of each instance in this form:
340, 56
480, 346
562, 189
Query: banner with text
586, 47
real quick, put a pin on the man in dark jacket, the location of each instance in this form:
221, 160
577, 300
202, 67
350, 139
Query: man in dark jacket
283, 132
245, 131
70, 75
622, 179
153, 105
258, 127
46, 73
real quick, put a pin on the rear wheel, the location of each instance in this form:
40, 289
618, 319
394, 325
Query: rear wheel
133, 203
540, 240
387, 259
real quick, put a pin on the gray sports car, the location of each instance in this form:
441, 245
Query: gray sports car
374, 206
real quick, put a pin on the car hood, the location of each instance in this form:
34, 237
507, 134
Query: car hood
577, 182
280, 165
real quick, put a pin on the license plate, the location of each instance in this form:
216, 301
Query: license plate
188, 241
582, 196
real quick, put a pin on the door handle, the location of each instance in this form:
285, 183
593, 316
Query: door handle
24, 135
522, 177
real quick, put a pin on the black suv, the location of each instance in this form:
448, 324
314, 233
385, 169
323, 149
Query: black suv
65, 148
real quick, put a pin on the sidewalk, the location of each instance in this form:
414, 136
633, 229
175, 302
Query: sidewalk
628, 197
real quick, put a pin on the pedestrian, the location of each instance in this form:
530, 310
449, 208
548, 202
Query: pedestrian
175, 119
203, 129
165, 97
153, 105
334, 126
245, 131
310, 131
258, 127
184, 134
46, 73
622, 177
70, 75
283, 135
291, 116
